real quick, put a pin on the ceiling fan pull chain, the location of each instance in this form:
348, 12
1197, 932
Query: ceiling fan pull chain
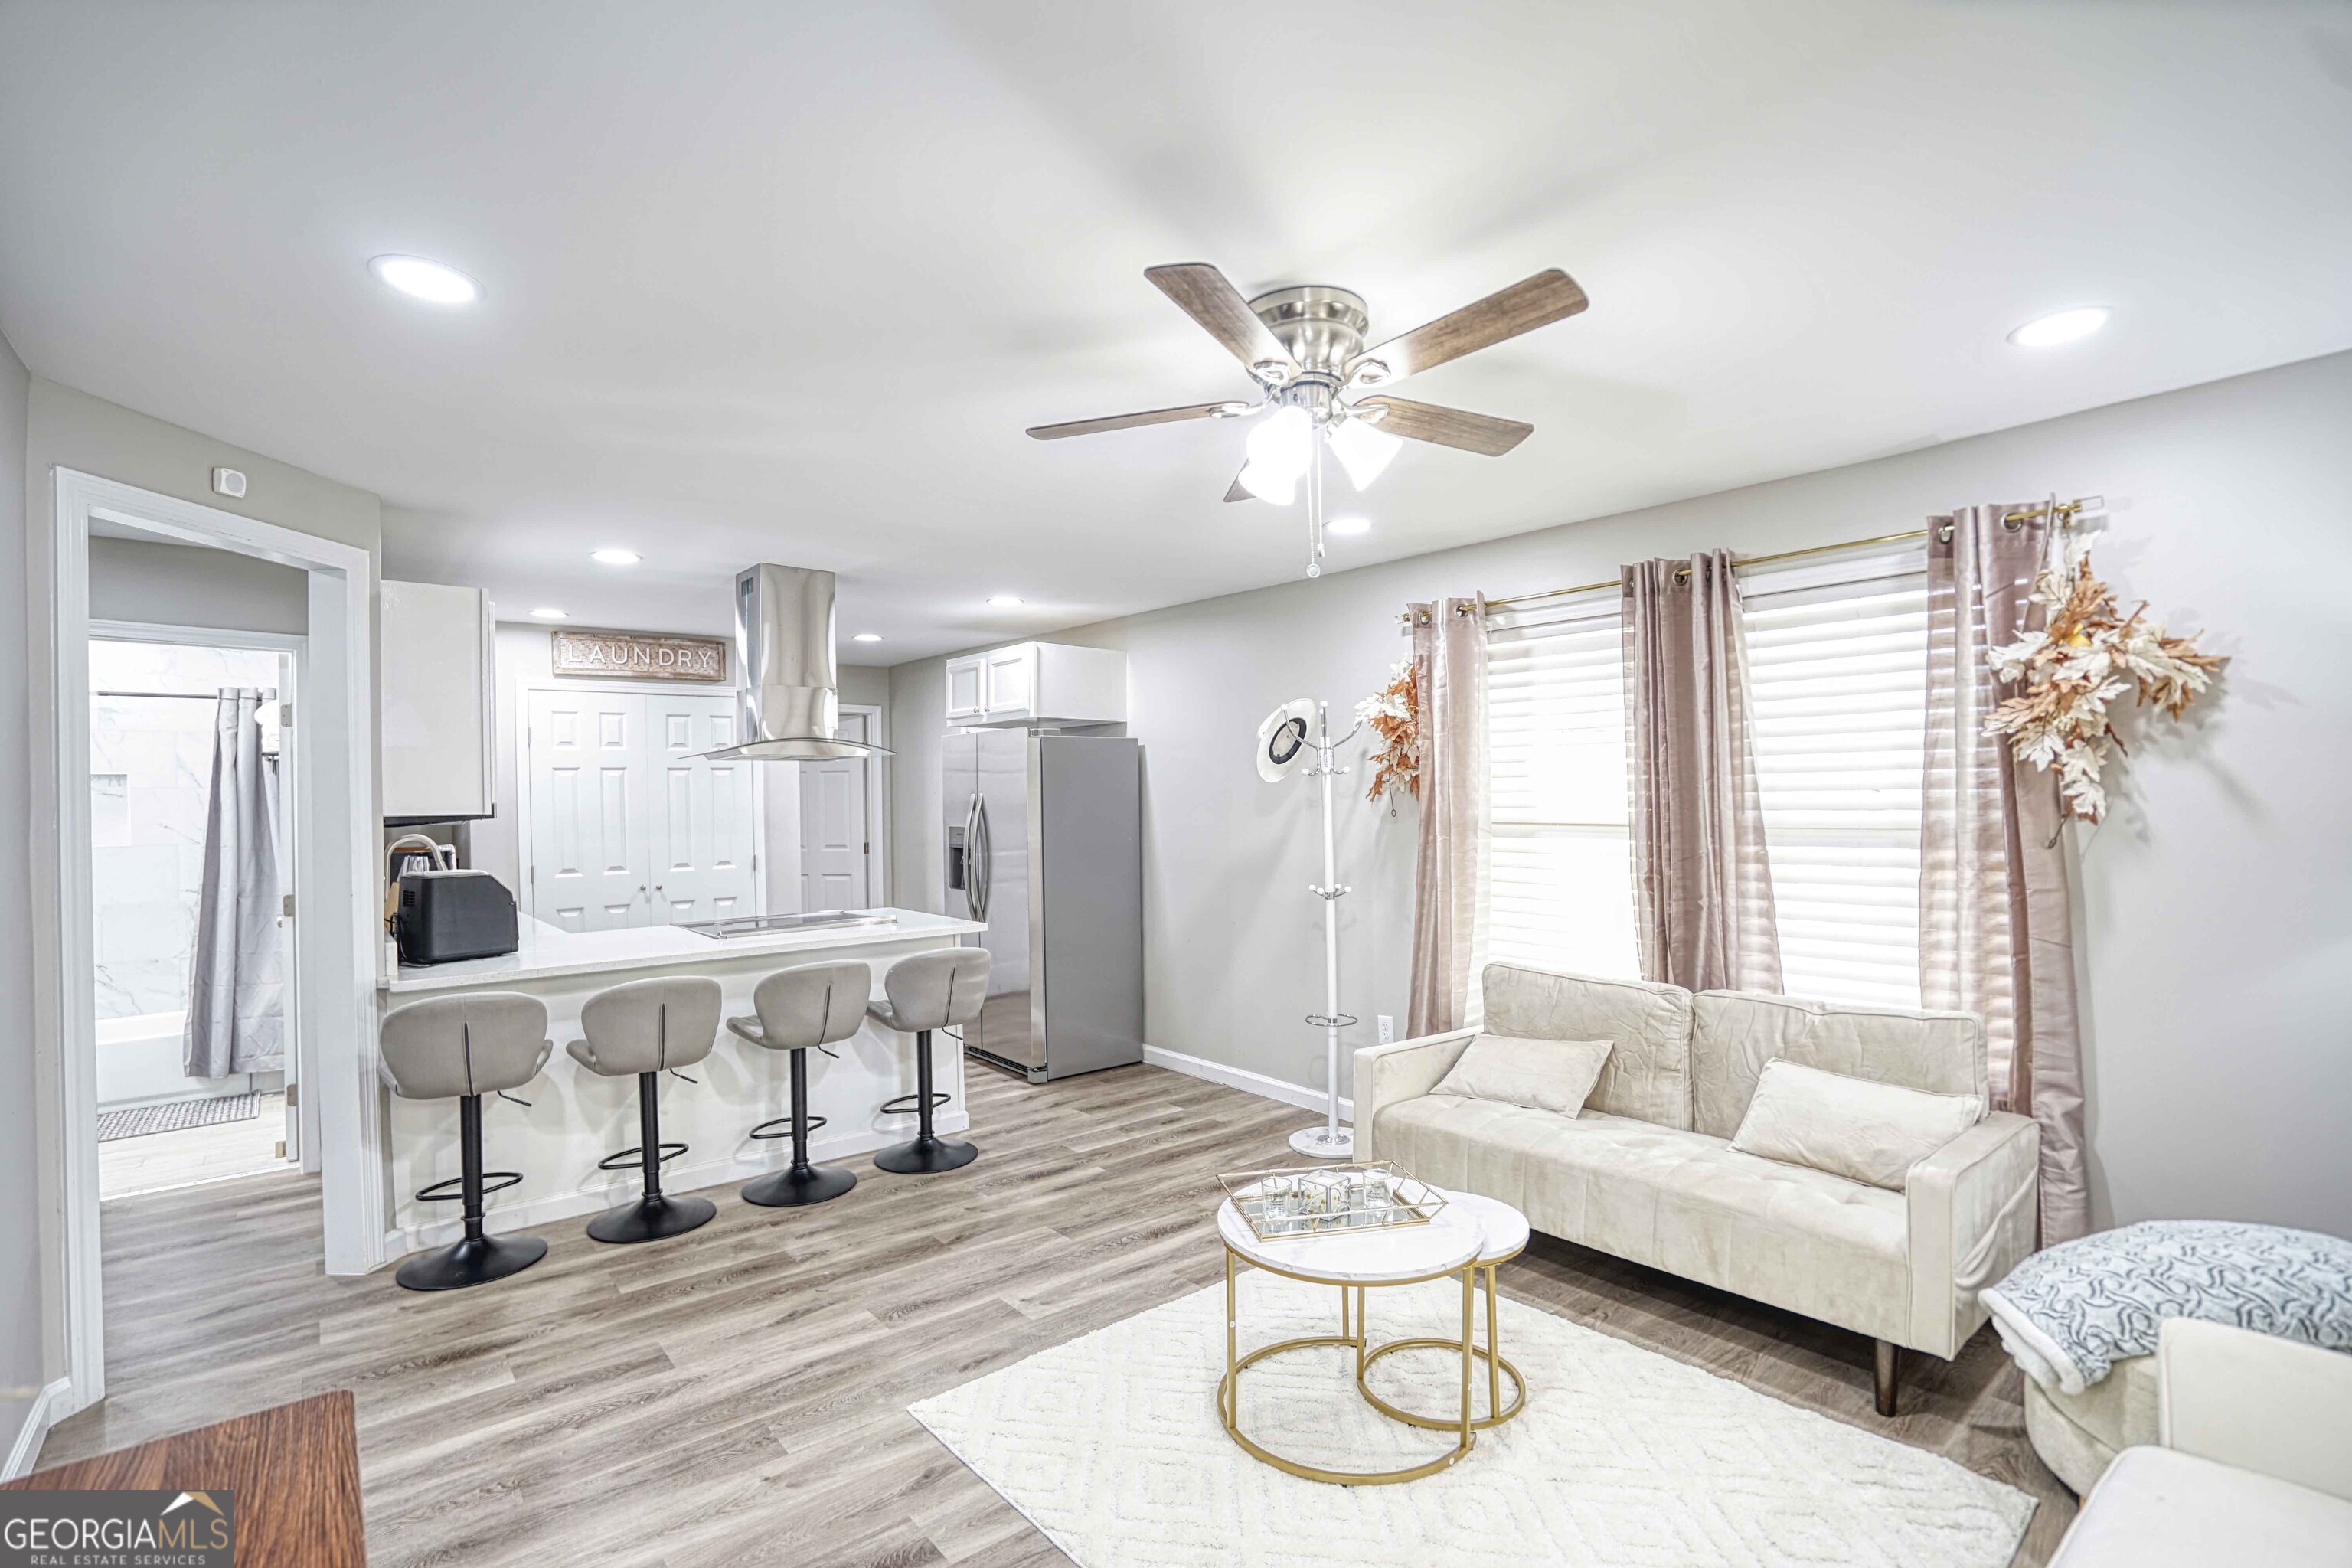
1314, 503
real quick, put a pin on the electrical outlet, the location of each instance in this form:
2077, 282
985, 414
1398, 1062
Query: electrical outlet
1388, 1029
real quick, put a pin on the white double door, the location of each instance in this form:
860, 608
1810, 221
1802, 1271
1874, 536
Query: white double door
630, 825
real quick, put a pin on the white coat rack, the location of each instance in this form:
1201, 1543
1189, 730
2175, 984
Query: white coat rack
1331, 1140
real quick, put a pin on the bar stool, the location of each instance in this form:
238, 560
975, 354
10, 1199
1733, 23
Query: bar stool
461, 1048
808, 1007
929, 991
642, 1030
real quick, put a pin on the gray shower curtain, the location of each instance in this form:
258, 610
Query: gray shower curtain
237, 997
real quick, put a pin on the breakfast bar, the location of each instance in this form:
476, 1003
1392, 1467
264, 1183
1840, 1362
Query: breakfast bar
575, 1118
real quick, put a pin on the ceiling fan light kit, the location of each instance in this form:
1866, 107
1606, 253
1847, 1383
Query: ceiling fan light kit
1306, 346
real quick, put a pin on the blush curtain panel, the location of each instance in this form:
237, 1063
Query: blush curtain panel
236, 1014
1995, 935
1703, 910
1449, 654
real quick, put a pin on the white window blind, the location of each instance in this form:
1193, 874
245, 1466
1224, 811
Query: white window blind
1837, 654
1837, 660
1559, 889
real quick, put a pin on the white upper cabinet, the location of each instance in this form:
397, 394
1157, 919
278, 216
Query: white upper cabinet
965, 703
436, 702
1037, 683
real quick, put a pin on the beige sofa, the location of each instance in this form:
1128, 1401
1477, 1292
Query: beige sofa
1646, 1171
2251, 1461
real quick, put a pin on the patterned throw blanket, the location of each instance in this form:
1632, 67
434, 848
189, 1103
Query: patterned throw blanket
2068, 1314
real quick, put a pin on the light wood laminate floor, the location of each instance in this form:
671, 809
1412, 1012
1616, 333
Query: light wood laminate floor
738, 1395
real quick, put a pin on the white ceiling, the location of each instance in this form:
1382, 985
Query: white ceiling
786, 282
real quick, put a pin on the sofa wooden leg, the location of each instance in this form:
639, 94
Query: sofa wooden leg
1884, 1378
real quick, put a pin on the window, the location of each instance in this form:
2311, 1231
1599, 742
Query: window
1837, 656
1837, 662
1559, 888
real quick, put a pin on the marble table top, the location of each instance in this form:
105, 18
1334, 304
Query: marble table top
1382, 1254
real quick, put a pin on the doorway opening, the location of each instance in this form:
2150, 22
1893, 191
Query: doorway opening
192, 874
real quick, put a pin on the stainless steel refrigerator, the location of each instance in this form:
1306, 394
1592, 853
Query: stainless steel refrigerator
1045, 842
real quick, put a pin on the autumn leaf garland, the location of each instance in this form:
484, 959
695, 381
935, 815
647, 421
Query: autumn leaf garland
2088, 653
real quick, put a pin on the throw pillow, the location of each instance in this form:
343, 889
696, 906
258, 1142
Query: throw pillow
1850, 1127
1543, 1075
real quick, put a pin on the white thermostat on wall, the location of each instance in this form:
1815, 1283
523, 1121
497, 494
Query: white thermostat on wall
227, 482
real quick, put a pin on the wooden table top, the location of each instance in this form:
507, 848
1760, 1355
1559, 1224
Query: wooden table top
294, 1468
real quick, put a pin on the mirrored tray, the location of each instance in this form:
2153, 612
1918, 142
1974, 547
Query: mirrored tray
1325, 1200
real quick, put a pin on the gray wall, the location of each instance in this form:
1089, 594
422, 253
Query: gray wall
179, 584
2216, 939
74, 430
20, 1231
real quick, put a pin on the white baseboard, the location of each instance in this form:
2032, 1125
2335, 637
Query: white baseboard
48, 1408
676, 1178
1248, 1082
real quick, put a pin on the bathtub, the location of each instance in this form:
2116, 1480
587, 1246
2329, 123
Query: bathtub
139, 1064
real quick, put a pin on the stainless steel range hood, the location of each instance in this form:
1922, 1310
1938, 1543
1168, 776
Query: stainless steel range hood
783, 643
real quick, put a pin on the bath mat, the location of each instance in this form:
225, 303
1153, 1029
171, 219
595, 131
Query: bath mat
177, 1114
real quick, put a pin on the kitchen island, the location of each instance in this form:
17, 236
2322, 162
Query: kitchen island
576, 1117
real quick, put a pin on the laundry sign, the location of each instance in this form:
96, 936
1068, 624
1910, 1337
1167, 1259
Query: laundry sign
638, 655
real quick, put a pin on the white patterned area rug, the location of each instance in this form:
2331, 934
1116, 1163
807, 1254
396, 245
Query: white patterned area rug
1110, 1445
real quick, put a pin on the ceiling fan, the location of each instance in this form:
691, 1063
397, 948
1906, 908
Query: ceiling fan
1305, 348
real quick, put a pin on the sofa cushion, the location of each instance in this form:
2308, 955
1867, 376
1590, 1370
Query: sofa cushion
1674, 1200
2155, 1508
1648, 1073
1735, 1033
1543, 1075
1850, 1127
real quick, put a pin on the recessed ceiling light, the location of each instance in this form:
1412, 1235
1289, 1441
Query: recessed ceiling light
614, 557
867, 637
549, 613
1349, 525
2066, 327
1004, 601
423, 280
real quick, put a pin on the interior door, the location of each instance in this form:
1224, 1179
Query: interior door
590, 847
836, 844
704, 843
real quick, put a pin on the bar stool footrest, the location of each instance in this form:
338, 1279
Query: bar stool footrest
781, 1127
492, 1182
908, 1104
629, 1158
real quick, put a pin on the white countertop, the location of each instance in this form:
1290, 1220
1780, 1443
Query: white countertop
547, 951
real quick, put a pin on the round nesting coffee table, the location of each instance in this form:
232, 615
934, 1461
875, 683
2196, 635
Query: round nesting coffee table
1451, 1244
1505, 1232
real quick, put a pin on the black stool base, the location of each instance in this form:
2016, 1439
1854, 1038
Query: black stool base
651, 1218
925, 1156
797, 1186
477, 1260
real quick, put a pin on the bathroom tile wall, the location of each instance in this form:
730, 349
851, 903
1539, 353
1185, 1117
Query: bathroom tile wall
151, 781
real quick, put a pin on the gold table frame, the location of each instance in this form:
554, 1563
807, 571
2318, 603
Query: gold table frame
1491, 1352
1229, 1387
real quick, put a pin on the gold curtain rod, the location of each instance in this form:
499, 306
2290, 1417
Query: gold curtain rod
2064, 512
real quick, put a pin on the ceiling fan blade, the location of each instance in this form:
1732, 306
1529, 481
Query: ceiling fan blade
1236, 492
1209, 296
1480, 433
1532, 302
1129, 421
